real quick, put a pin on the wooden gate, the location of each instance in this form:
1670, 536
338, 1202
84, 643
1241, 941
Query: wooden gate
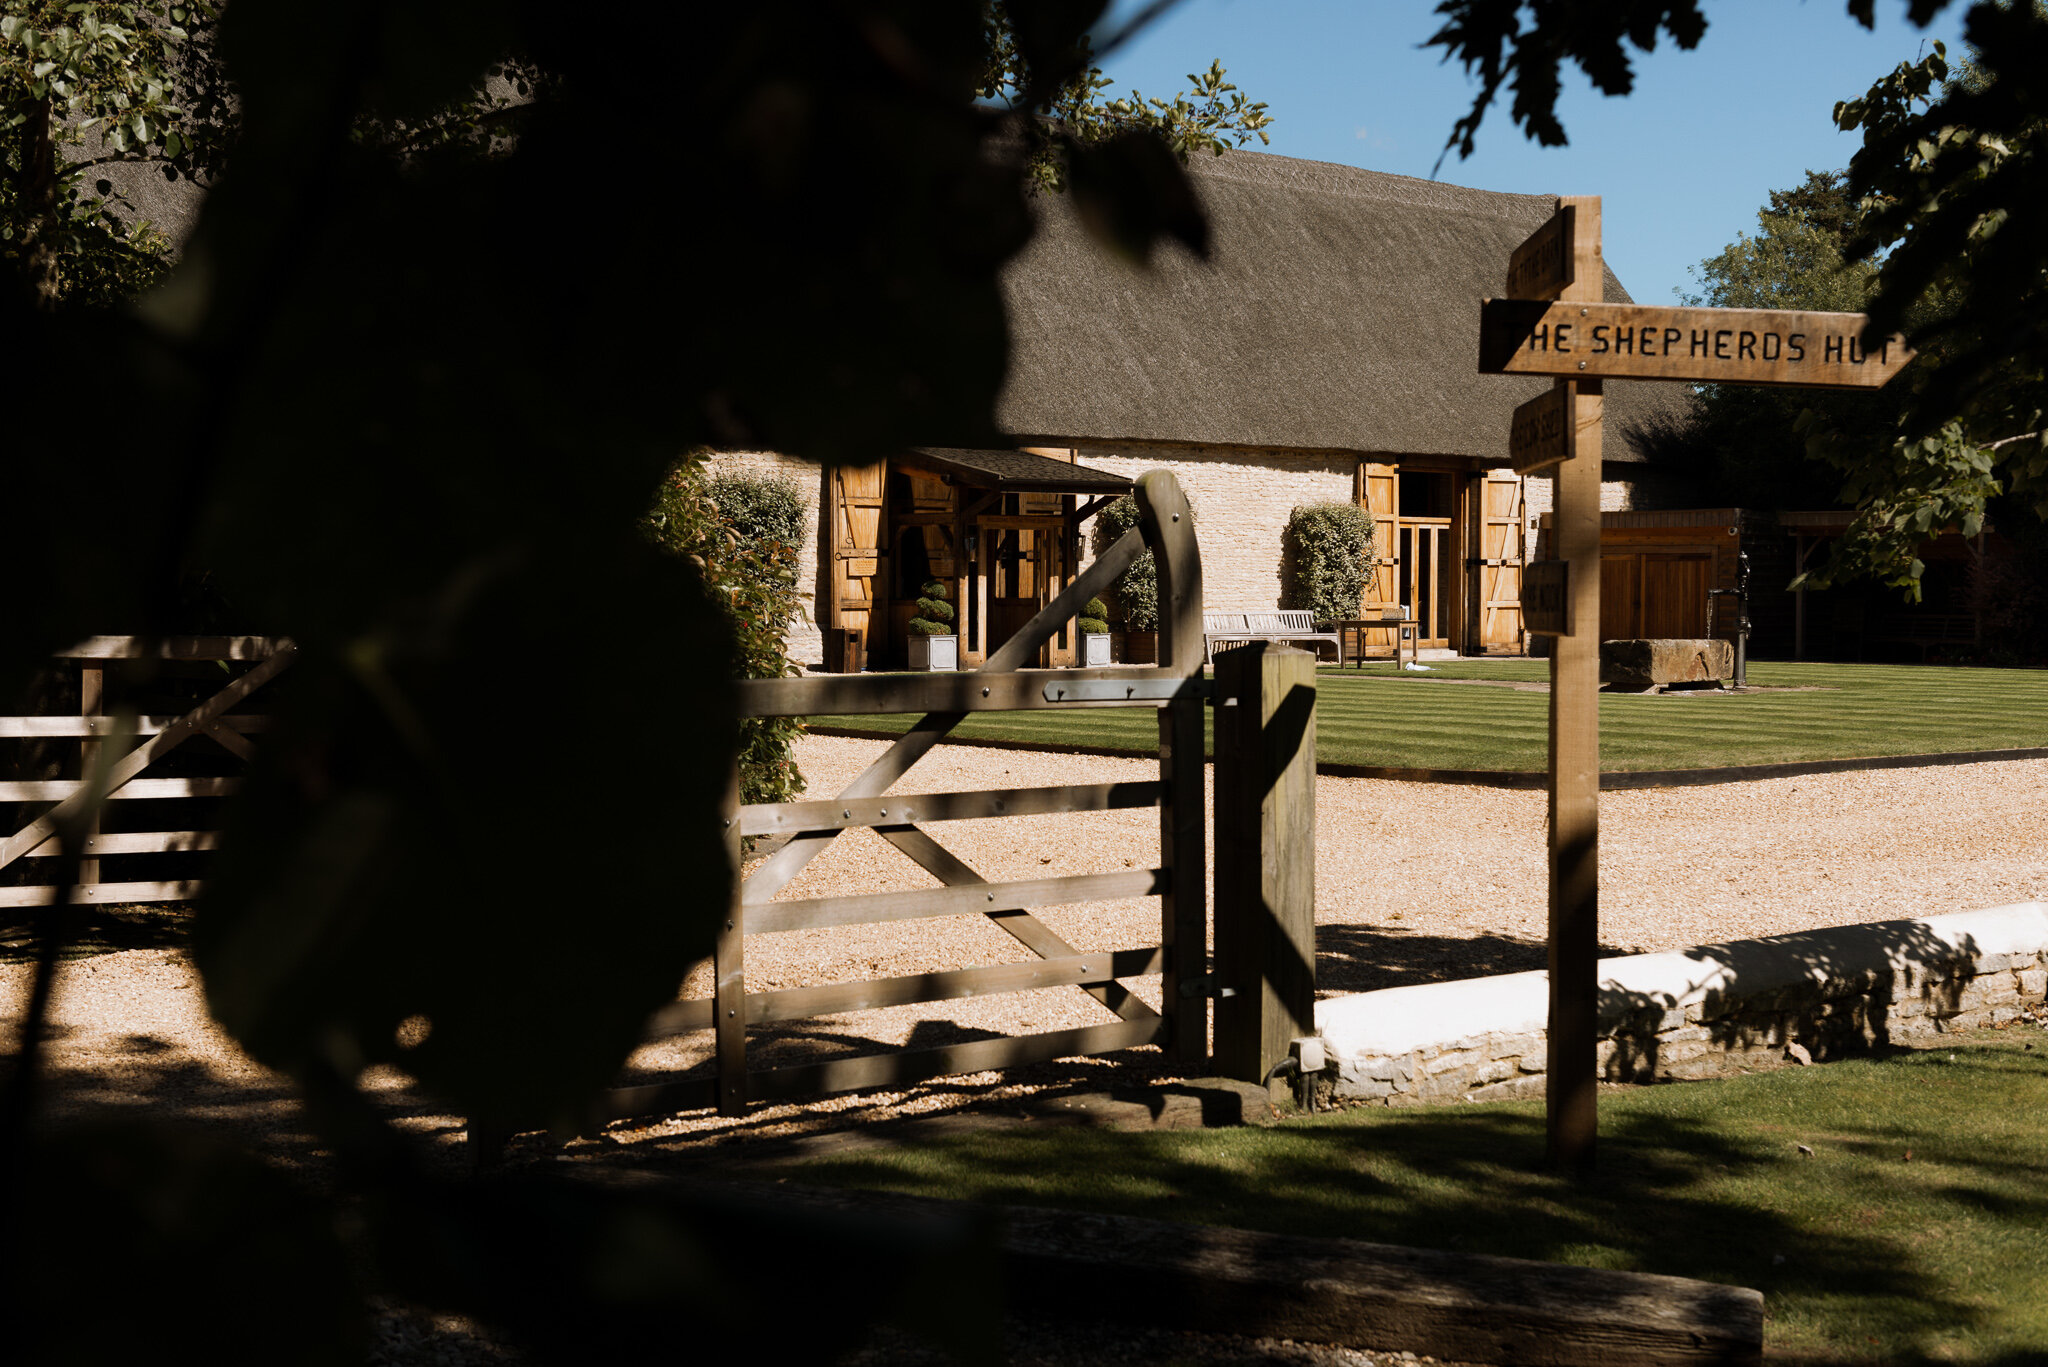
93, 730
1175, 689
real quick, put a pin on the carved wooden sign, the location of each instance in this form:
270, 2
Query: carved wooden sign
1544, 604
1540, 434
1541, 268
1713, 346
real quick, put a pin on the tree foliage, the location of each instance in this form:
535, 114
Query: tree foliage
407, 397
1953, 175
86, 87
1328, 549
1076, 137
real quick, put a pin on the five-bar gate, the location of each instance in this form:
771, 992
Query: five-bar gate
1176, 689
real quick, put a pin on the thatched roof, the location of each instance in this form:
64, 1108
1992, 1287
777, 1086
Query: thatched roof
1339, 310
1014, 471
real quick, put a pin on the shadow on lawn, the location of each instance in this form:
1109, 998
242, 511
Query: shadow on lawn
1670, 1196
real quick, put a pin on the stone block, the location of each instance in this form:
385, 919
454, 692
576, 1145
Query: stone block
1495, 1070
1684, 1033
1516, 1046
2034, 982
1452, 1060
1641, 665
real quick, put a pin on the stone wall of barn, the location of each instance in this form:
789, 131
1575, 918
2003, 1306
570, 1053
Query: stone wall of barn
1242, 498
804, 640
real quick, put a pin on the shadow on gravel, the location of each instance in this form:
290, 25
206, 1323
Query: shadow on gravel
102, 930
1366, 958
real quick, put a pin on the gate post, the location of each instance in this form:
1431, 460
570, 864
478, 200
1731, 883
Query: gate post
1265, 856
1169, 529
728, 967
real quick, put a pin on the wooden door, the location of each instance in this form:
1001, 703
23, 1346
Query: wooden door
1621, 597
853, 495
1426, 577
1675, 595
1379, 493
1499, 571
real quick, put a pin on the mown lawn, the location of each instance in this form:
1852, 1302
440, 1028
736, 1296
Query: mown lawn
1380, 716
1915, 1232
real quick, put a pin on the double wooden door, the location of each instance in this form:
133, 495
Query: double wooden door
1652, 594
1459, 571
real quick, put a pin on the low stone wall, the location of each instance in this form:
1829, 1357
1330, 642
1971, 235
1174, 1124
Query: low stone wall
1694, 1013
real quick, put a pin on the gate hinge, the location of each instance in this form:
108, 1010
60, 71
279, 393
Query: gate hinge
1205, 986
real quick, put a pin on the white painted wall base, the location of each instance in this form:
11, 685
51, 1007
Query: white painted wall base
1699, 1012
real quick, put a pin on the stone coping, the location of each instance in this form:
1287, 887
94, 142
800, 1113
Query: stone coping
1899, 959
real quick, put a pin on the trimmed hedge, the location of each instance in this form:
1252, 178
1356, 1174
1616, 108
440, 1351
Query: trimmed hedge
1094, 618
743, 533
1328, 552
934, 613
1137, 592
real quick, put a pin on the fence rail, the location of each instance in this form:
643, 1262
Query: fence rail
77, 799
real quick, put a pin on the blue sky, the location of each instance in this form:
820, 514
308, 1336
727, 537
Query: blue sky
1682, 165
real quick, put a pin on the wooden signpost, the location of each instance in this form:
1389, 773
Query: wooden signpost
1713, 346
1556, 324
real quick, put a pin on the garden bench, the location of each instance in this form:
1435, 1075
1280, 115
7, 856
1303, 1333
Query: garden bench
1286, 625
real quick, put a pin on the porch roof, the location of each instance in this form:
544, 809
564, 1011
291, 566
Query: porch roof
1013, 471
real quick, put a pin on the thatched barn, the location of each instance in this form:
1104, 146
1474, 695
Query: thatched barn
1326, 350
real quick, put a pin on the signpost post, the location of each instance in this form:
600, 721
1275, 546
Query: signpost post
1557, 324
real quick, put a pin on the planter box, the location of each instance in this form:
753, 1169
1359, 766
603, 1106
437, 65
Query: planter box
1141, 647
934, 652
1094, 649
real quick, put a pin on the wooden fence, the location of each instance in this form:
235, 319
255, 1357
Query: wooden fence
126, 770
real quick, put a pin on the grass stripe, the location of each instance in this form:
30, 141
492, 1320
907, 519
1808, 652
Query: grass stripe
1378, 716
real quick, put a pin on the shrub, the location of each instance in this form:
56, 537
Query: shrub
934, 613
1137, 592
1094, 618
1327, 551
759, 508
743, 538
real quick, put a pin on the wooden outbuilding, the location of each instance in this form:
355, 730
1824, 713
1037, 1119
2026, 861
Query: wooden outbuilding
1000, 528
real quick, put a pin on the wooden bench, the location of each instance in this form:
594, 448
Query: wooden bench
1287, 625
